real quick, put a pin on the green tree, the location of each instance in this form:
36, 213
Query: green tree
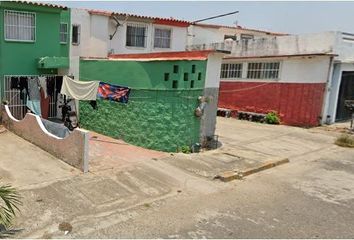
9, 202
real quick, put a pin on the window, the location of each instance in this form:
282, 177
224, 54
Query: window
192, 84
20, 26
63, 32
162, 38
233, 37
136, 35
174, 84
199, 76
263, 70
193, 68
175, 68
76, 34
167, 76
231, 70
185, 77
247, 37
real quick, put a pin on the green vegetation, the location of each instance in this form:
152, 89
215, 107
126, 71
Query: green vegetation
9, 202
186, 149
345, 140
272, 118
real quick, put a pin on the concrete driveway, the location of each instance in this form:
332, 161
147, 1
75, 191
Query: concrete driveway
310, 197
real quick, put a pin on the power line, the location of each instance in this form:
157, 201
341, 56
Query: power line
221, 15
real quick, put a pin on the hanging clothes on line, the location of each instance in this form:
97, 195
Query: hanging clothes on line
58, 83
34, 97
50, 85
15, 83
113, 92
34, 106
33, 88
80, 90
43, 85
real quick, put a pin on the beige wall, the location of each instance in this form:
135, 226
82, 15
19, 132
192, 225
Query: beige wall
72, 149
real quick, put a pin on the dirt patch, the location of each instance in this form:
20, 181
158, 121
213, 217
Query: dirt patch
345, 140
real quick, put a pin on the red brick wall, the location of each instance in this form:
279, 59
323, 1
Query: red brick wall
300, 104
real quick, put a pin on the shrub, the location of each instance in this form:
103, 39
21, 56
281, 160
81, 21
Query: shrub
345, 140
186, 149
272, 118
9, 202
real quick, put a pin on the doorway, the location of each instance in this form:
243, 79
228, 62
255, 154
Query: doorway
346, 92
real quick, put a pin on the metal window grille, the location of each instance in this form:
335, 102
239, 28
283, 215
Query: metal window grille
231, 70
20, 26
76, 34
162, 38
263, 70
246, 37
17, 105
136, 35
63, 32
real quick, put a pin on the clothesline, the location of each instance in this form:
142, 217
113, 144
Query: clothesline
150, 89
245, 89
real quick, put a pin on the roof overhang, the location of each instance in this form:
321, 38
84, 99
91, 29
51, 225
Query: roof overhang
282, 56
161, 56
36, 3
53, 62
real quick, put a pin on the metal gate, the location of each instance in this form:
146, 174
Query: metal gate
17, 105
346, 92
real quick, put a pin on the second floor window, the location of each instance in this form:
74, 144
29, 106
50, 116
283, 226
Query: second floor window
20, 26
263, 70
136, 35
76, 34
231, 70
246, 37
162, 38
63, 32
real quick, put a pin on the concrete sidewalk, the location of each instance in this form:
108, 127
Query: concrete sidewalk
107, 153
25, 165
248, 147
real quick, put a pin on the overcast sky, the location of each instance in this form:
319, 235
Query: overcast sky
287, 17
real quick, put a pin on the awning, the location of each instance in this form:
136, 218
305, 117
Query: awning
53, 62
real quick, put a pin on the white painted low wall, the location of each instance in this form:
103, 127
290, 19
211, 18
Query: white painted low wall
72, 149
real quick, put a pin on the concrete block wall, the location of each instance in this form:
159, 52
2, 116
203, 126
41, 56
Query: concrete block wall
73, 149
156, 119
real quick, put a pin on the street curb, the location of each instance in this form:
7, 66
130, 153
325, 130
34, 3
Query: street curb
236, 174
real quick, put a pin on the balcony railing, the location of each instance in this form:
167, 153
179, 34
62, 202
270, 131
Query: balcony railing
272, 46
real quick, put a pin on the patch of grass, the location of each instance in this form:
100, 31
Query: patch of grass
272, 118
345, 140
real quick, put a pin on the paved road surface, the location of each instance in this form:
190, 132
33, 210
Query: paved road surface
310, 197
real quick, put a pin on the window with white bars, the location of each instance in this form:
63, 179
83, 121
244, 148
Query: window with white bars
263, 70
231, 70
136, 35
162, 38
20, 26
63, 33
75, 39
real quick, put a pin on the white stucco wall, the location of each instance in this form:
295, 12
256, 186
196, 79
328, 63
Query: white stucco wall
99, 36
82, 18
118, 43
203, 35
212, 77
207, 35
305, 70
292, 70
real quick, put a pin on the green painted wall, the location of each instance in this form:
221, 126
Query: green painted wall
157, 116
138, 74
65, 18
18, 58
